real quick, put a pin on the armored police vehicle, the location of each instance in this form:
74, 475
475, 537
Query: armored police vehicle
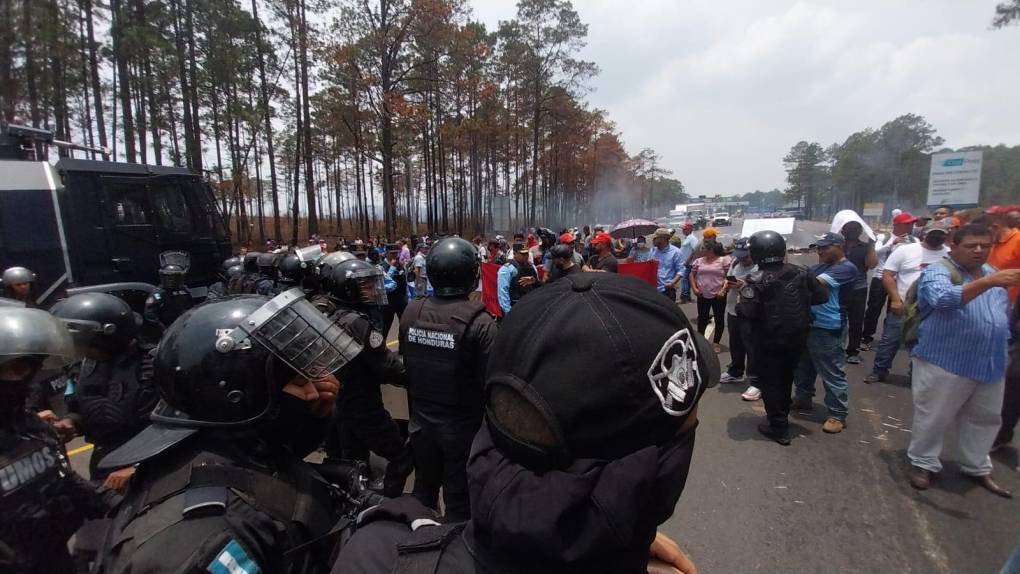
82, 223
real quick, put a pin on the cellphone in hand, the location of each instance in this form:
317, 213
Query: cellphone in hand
731, 278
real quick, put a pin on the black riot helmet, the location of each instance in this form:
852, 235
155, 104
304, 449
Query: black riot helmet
291, 268
251, 260
453, 267
328, 262
98, 320
767, 247
223, 364
234, 271
357, 282
227, 264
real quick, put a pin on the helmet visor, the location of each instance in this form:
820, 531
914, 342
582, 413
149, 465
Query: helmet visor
180, 258
296, 332
310, 254
34, 332
371, 286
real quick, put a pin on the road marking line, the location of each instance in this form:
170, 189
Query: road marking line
80, 449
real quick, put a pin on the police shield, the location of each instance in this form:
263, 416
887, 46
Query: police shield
297, 333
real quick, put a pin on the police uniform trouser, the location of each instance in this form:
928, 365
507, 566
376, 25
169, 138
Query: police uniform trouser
440, 460
366, 426
775, 366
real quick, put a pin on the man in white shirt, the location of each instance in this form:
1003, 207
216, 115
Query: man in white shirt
901, 270
886, 243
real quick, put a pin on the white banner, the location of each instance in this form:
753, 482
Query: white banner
781, 225
955, 178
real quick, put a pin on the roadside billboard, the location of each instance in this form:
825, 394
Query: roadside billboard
955, 179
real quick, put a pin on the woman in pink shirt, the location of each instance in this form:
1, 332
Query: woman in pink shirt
708, 282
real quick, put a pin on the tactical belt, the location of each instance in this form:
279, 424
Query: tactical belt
420, 552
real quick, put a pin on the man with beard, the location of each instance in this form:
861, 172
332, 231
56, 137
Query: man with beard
559, 484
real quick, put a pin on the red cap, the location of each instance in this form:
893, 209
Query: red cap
602, 238
997, 210
1012, 207
688, 226
904, 218
566, 238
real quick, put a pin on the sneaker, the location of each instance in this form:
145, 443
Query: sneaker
865, 346
752, 393
833, 425
853, 359
875, 378
801, 405
781, 438
717, 348
728, 378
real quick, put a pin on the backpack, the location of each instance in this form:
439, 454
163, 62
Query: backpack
783, 303
911, 328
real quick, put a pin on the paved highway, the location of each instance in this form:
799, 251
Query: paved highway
828, 503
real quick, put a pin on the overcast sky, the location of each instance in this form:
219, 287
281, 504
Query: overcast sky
723, 89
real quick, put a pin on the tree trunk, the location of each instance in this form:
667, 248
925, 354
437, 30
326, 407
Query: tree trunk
313, 222
189, 135
267, 113
117, 34
196, 129
97, 90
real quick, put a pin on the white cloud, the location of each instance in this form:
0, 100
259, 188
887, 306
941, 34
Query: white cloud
723, 90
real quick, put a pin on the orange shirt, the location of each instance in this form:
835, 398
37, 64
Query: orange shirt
1006, 255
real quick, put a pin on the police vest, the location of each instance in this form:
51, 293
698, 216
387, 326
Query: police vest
115, 398
516, 290
196, 482
39, 508
436, 360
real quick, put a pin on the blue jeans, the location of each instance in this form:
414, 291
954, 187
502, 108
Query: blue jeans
825, 357
889, 344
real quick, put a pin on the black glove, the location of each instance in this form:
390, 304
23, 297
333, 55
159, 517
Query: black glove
406, 509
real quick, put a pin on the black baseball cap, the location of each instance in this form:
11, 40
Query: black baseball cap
630, 377
520, 248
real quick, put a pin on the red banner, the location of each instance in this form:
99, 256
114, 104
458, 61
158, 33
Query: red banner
490, 296
647, 271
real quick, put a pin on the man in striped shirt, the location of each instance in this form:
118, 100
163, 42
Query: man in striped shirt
959, 362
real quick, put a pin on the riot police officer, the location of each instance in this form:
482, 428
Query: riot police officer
445, 342
17, 283
265, 284
171, 299
114, 393
244, 284
230, 268
298, 269
776, 300
322, 299
42, 500
221, 485
356, 289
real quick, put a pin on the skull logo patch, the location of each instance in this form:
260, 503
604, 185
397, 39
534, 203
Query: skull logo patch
674, 374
